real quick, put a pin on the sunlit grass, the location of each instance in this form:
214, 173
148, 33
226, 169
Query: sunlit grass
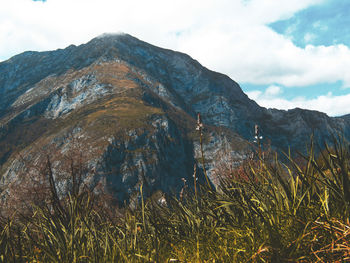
266, 211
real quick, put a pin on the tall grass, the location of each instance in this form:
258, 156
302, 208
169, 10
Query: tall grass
265, 211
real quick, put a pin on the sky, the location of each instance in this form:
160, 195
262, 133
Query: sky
283, 53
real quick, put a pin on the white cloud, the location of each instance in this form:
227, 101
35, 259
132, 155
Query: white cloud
254, 94
332, 105
26, 24
265, 57
308, 37
273, 90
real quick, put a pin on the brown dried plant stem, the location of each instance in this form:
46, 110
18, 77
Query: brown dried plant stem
203, 159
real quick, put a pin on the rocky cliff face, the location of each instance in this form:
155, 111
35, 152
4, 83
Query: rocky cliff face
133, 107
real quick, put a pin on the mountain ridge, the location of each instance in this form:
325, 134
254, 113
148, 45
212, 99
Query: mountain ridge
134, 106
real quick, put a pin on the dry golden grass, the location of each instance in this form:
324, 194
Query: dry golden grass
276, 212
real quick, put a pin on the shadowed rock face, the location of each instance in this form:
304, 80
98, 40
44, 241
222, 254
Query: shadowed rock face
133, 107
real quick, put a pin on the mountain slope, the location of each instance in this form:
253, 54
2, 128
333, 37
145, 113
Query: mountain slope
133, 108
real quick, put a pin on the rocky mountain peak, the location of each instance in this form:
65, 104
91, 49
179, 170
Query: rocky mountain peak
133, 106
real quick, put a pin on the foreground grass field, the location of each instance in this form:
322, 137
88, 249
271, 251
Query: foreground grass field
265, 211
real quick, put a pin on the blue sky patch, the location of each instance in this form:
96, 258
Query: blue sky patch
324, 24
308, 92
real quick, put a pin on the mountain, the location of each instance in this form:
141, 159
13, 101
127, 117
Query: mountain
346, 117
131, 107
